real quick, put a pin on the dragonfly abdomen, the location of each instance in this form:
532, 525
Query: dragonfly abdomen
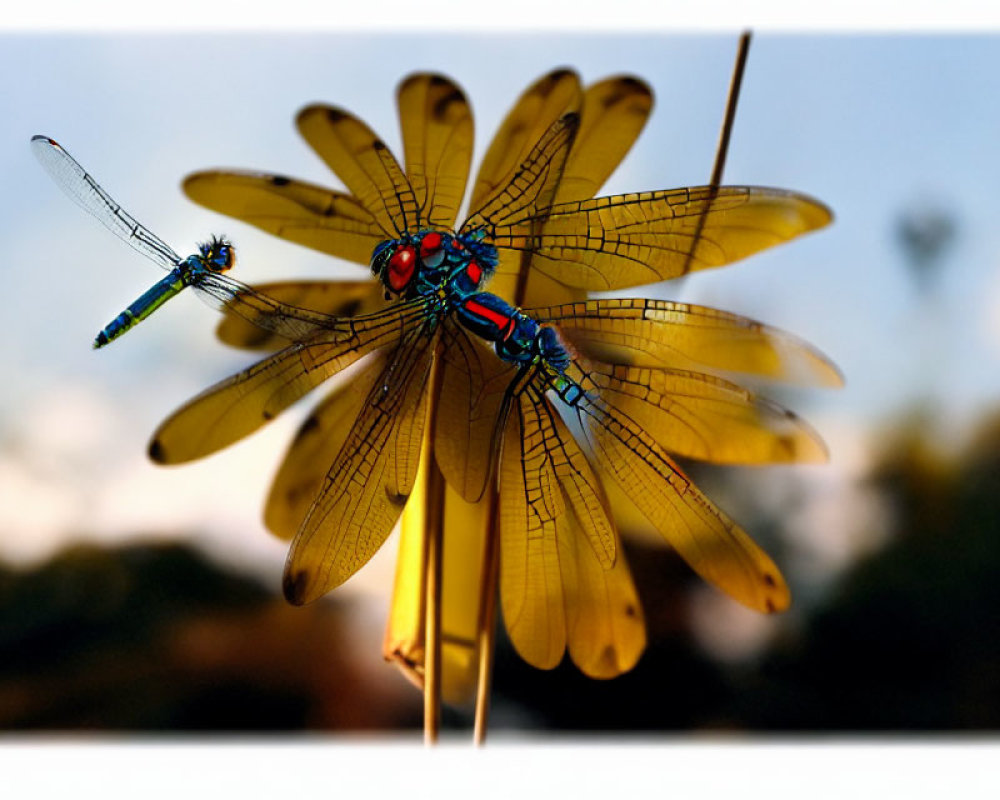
146, 304
519, 339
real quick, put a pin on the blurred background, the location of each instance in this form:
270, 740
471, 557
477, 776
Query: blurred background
138, 598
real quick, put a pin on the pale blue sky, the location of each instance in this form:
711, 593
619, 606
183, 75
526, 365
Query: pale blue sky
869, 124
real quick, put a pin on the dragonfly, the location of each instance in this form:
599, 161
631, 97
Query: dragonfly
202, 270
606, 633
444, 320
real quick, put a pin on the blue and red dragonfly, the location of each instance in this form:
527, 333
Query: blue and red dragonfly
442, 317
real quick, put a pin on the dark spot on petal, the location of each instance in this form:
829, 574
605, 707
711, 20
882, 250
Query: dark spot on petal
441, 107
630, 610
571, 120
769, 605
558, 74
397, 499
156, 452
294, 587
311, 424
439, 80
378, 144
634, 84
349, 309
335, 114
280, 180
267, 415
613, 99
769, 580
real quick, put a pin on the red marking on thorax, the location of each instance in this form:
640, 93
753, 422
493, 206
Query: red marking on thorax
474, 271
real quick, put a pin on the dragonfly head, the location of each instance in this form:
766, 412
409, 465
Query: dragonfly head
396, 262
218, 255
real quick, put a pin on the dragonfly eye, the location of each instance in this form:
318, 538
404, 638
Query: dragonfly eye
217, 255
432, 249
225, 259
400, 268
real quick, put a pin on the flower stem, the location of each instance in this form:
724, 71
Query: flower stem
434, 549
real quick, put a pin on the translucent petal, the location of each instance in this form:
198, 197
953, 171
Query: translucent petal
660, 333
366, 166
313, 216
437, 144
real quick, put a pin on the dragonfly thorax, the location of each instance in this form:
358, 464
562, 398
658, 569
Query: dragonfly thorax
429, 261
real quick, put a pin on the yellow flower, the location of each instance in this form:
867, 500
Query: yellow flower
558, 592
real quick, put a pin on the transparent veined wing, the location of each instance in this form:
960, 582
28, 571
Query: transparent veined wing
365, 164
711, 543
532, 186
629, 240
613, 114
706, 417
545, 483
661, 333
533, 113
437, 133
316, 445
241, 404
580, 487
322, 219
88, 194
371, 478
335, 298
532, 551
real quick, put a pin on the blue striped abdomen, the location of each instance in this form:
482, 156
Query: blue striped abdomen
146, 304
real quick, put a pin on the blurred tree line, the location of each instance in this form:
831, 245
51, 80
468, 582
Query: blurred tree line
156, 638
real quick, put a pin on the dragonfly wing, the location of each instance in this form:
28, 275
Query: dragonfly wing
437, 144
316, 445
289, 322
371, 478
613, 115
531, 186
533, 551
580, 487
534, 112
711, 543
365, 165
705, 417
628, 240
473, 392
660, 333
239, 405
313, 216
87, 193
333, 298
